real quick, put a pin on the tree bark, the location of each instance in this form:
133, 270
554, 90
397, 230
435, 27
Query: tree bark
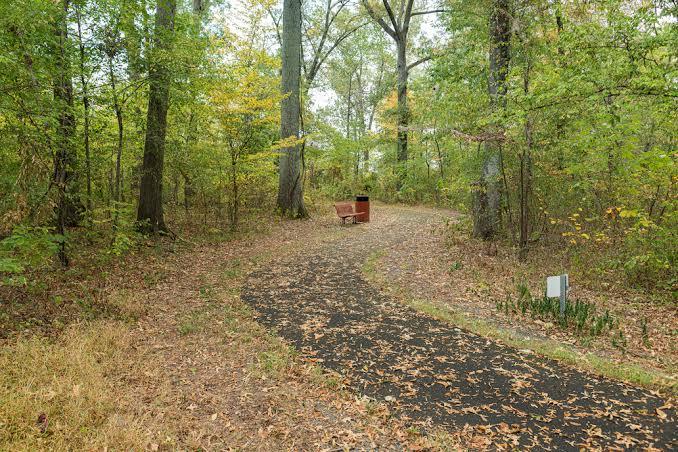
487, 197
118, 116
398, 28
403, 112
290, 189
150, 211
85, 104
348, 107
65, 155
525, 176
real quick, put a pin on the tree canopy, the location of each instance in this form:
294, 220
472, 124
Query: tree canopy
543, 120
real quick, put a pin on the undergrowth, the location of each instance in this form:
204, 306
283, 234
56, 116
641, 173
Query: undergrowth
578, 315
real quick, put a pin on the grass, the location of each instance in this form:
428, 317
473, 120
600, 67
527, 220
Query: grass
60, 395
234, 269
630, 373
127, 305
590, 362
370, 266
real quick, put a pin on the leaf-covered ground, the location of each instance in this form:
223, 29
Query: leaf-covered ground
180, 364
443, 267
433, 373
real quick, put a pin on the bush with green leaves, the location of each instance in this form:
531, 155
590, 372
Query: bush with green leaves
27, 248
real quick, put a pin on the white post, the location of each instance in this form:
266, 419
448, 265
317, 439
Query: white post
563, 294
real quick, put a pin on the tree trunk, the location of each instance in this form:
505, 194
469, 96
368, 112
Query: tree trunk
150, 213
403, 112
525, 176
233, 208
290, 190
188, 192
561, 60
118, 116
441, 161
487, 219
348, 107
65, 155
85, 104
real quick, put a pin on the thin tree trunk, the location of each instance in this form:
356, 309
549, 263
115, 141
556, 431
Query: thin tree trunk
150, 212
118, 116
559, 119
438, 151
122, 185
487, 219
373, 109
402, 114
64, 158
525, 177
188, 191
85, 104
290, 189
234, 189
348, 107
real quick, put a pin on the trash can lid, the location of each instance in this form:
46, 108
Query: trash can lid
362, 198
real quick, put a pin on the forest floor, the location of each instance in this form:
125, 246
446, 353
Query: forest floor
165, 356
163, 351
432, 373
441, 270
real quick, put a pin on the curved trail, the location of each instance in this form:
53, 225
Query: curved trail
434, 373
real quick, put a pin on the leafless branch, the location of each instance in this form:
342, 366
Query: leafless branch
418, 62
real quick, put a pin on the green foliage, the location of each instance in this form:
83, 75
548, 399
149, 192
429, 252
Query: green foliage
27, 248
591, 83
578, 315
124, 228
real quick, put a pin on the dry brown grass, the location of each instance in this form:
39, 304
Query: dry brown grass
64, 394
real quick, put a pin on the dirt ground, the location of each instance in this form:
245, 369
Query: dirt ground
157, 351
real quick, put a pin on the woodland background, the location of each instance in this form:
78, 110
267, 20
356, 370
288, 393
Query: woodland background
582, 127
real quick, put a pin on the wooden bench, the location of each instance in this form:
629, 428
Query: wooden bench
345, 210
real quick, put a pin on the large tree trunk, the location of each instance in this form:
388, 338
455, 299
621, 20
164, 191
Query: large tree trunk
290, 190
487, 202
150, 213
403, 112
65, 155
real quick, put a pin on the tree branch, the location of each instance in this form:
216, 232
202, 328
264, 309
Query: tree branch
336, 43
418, 62
407, 18
379, 20
391, 16
432, 11
276, 22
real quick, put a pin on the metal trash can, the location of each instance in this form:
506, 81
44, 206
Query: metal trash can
362, 204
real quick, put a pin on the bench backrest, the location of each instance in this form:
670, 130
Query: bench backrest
344, 208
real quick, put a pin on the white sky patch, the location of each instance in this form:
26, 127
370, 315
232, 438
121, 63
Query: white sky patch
323, 97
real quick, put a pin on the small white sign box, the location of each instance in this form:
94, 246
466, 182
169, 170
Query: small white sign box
553, 286
556, 287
